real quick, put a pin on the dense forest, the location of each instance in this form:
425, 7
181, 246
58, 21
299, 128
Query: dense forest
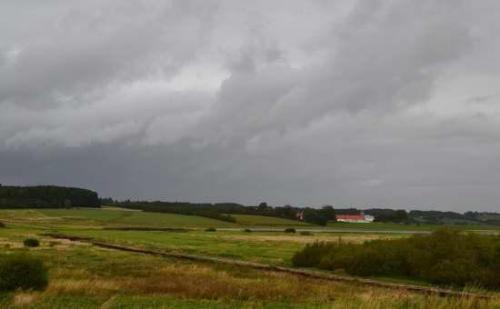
47, 197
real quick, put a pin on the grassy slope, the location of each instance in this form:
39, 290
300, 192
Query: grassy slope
251, 220
168, 220
137, 218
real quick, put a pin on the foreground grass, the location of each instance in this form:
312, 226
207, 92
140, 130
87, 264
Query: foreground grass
82, 276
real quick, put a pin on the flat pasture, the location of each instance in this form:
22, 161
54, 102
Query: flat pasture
85, 276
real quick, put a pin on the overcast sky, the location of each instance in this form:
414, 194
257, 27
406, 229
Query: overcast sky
364, 104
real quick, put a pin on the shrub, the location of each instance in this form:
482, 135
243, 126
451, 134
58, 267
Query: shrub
2, 224
20, 271
289, 230
311, 255
210, 229
247, 230
31, 242
445, 257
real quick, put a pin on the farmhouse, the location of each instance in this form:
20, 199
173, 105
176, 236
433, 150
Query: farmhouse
361, 218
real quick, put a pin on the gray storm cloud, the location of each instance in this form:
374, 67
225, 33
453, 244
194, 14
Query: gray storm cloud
366, 104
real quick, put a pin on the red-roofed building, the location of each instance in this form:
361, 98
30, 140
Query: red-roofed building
361, 218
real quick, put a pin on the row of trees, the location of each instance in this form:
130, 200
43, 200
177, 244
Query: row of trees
425, 216
47, 197
223, 211
322, 216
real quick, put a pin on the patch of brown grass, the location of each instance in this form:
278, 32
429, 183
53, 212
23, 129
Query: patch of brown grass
24, 299
201, 281
94, 286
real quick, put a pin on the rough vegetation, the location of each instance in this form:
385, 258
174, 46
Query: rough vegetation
31, 242
19, 271
445, 257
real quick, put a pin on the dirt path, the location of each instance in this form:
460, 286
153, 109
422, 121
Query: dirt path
266, 267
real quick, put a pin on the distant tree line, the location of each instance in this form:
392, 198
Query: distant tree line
450, 217
389, 215
319, 216
425, 216
46, 197
445, 257
223, 211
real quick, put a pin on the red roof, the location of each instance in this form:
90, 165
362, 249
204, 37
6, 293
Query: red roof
350, 217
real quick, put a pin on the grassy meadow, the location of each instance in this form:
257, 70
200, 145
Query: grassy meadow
85, 276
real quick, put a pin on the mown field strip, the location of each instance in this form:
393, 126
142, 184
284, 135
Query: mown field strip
273, 268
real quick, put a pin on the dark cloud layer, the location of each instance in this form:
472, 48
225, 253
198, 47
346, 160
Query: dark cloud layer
369, 103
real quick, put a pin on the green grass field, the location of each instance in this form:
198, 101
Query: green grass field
88, 217
108, 217
250, 220
84, 276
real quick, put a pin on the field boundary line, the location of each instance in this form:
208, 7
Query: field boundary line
273, 268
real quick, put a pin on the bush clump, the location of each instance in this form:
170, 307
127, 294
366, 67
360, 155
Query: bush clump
2, 225
31, 242
19, 271
290, 230
247, 230
210, 229
445, 257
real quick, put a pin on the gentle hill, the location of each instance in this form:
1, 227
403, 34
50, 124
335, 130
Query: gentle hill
116, 217
251, 220
152, 219
109, 217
